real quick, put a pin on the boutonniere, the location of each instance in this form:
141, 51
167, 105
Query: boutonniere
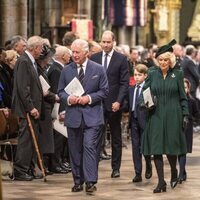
173, 75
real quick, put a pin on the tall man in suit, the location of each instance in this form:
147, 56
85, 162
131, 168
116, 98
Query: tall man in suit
84, 115
60, 59
116, 66
27, 98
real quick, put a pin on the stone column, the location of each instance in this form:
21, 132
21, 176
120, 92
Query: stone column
21, 8
84, 8
54, 12
167, 20
5, 17
37, 20
174, 19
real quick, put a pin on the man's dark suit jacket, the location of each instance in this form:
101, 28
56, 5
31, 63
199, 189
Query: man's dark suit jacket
54, 76
190, 71
95, 84
141, 114
118, 78
27, 92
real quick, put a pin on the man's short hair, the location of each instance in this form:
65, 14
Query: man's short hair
68, 38
34, 41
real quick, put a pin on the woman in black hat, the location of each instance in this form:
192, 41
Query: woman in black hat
46, 140
164, 129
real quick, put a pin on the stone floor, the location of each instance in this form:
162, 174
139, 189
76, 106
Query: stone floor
58, 187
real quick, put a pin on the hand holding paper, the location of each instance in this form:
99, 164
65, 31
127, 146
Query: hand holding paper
148, 100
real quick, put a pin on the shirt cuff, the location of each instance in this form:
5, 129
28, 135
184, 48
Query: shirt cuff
90, 99
62, 113
69, 104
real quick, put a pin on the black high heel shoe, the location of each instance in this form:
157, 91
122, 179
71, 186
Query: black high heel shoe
174, 179
182, 178
174, 182
185, 176
160, 188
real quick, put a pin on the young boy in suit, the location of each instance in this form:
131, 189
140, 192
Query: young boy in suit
137, 123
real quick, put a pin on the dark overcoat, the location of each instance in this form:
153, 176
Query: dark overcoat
164, 129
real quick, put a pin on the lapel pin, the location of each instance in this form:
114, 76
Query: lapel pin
173, 75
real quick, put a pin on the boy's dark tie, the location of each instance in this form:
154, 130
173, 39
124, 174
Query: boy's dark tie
136, 99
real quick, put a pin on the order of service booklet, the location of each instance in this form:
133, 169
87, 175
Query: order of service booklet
148, 97
74, 88
45, 85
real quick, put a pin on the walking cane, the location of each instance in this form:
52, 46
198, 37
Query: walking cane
36, 147
1, 191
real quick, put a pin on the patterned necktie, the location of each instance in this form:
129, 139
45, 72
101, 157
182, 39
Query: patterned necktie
35, 67
81, 74
105, 61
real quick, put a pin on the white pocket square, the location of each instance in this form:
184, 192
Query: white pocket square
95, 76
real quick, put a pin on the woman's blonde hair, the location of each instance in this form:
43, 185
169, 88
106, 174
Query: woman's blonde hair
170, 56
10, 55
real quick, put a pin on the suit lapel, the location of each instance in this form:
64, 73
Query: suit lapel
132, 89
74, 70
112, 60
35, 75
99, 58
58, 66
88, 72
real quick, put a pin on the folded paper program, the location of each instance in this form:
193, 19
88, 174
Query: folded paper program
74, 88
148, 99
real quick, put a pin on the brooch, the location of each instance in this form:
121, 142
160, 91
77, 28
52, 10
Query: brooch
173, 75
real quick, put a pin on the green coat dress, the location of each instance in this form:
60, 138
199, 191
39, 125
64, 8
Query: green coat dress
163, 133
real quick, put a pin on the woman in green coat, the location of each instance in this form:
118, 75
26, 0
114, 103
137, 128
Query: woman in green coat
163, 133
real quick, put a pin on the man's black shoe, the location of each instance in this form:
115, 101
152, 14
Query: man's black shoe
59, 170
35, 173
105, 157
64, 168
115, 174
66, 164
90, 187
77, 188
137, 178
47, 172
21, 177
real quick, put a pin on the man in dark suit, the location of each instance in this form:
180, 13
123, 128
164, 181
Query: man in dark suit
84, 115
190, 69
27, 98
137, 123
116, 66
61, 58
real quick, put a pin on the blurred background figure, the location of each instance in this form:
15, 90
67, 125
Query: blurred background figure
59, 162
94, 47
179, 53
193, 113
18, 43
190, 70
7, 64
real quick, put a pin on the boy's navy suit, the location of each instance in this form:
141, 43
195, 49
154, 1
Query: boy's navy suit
137, 125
